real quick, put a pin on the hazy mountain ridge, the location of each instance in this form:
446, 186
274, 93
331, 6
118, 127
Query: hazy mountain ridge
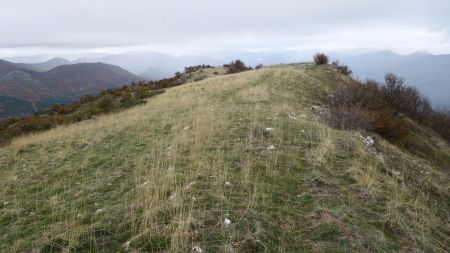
44, 66
14, 106
7, 67
429, 73
60, 84
153, 65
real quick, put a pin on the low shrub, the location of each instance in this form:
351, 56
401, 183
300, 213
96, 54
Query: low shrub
342, 68
361, 106
35, 123
354, 104
321, 59
390, 126
105, 103
387, 125
236, 67
191, 69
351, 117
409, 101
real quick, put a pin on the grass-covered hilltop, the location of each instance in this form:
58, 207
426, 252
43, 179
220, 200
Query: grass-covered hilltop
245, 162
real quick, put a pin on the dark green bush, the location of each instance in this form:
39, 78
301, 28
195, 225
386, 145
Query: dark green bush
105, 103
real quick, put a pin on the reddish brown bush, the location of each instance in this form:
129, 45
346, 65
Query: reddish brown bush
361, 106
57, 119
35, 123
389, 126
386, 103
321, 59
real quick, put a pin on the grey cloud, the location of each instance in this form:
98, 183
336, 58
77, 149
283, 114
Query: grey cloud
112, 23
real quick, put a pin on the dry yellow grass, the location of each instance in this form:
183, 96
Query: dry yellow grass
165, 175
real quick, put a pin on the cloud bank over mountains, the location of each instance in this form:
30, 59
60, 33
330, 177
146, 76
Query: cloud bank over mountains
199, 26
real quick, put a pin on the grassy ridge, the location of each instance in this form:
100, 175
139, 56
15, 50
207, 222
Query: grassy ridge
109, 101
163, 177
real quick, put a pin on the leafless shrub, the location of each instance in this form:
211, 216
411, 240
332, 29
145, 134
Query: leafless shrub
343, 68
361, 106
352, 118
321, 59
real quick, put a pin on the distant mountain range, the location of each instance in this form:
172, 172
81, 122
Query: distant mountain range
26, 88
153, 65
428, 73
44, 66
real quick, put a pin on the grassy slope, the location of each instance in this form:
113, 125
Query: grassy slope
153, 178
425, 143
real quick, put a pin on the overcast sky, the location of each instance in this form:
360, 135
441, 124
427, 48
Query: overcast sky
199, 26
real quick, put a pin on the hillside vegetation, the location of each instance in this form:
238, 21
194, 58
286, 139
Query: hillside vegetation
25, 90
429, 73
89, 106
231, 163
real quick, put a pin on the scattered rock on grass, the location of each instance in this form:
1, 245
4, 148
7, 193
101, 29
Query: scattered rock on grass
126, 245
196, 249
189, 185
317, 108
380, 157
292, 115
368, 140
261, 131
